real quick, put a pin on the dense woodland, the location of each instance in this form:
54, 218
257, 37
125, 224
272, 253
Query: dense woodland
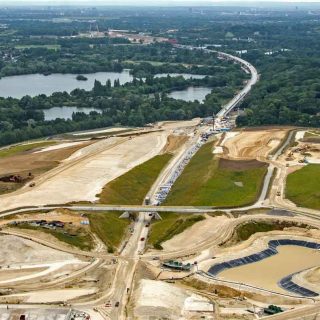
283, 43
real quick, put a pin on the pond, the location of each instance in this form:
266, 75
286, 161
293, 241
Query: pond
190, 94
268, 272
65, 112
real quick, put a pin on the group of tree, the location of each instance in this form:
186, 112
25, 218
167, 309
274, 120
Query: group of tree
131, 104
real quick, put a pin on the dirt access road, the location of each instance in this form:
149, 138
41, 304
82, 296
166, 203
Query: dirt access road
82, 176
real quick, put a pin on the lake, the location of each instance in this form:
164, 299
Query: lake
65, 112
190, 94
184, 75
35, 84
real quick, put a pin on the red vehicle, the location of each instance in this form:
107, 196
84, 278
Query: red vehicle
142, 239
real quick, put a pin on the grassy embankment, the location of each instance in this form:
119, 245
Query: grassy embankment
303, 186
210, 181
132, 187
108, 227
105, 224
78, 238
170, 225
11, 151
244, 231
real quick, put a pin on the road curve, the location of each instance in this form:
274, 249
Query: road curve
238, 98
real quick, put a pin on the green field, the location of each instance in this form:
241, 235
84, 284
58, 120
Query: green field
303, 186
132, 187
209, 181
79, 239
108, 227
46, 46
11, 151
170, 225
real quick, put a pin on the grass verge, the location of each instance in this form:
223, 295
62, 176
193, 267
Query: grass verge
77, 238
303, 186
170, 225
132, 187
210, 181
108, 227
7, 152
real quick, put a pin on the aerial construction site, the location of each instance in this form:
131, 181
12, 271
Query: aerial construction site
184, 219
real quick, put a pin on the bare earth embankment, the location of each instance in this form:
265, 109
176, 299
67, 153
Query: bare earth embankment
82, 176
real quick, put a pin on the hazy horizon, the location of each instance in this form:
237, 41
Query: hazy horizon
155, 3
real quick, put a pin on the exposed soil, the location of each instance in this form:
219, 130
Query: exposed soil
252, 144
16, 250
13, 274
313, 276
174, 142
86, 171
34, 163
197, 233
221, 291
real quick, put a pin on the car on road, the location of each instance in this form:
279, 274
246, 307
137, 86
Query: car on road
117, 304
142, 239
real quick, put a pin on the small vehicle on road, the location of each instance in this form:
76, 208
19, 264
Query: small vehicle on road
117, 304
142, 239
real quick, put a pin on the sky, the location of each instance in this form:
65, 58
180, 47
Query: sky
147, 2
164, 3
